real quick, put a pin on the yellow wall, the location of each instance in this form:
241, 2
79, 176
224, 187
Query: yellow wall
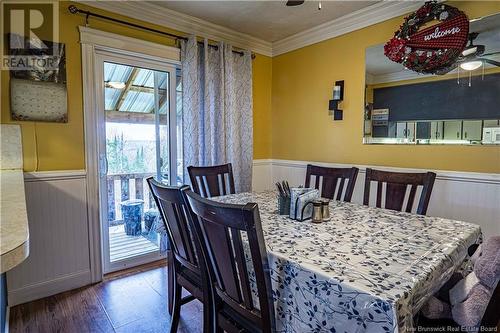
61, 146
291, 94
303, 130
262, 79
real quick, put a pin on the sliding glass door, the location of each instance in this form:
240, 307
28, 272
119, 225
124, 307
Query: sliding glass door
138, 139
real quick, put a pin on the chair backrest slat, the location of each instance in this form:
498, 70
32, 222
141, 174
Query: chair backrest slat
246, 293
411, 198
379, 195
220, 227
341, 188
221, 248
396, 187
210, 181
174, 213
331, 177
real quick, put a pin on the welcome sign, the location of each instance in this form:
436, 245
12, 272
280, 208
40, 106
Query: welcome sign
434, 49
450, 34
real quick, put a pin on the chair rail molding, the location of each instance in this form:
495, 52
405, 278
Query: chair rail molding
34, 176
458, 195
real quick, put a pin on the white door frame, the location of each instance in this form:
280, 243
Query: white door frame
94, 42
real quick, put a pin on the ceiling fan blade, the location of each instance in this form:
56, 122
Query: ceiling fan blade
469, 51
292, 3
489, 61
492, 53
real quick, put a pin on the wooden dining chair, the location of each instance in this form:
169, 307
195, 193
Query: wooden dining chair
211, 181
396, 188
219, 227
332, 177
184, 262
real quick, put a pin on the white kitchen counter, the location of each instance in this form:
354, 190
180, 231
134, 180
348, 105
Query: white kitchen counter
14, 234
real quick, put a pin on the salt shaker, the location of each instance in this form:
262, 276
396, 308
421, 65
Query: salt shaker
325, 210
317, 216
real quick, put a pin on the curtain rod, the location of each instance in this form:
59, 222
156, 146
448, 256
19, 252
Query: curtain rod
74, 10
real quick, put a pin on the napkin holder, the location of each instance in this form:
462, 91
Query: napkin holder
299, 199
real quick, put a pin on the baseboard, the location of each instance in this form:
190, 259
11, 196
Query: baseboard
49, 288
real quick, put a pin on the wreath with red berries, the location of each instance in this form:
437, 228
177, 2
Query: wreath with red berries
431, 50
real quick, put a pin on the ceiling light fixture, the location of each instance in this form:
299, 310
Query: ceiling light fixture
115, 85
319, 5
471, 65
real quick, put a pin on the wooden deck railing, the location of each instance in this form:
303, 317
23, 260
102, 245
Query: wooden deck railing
123, 187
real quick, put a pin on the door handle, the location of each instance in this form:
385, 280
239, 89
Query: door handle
103, 165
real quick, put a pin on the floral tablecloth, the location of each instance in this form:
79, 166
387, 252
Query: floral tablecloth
365, 270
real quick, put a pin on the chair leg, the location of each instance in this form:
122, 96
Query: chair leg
170, 281
176, 307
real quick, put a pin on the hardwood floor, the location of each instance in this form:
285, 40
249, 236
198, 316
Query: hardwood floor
130, 301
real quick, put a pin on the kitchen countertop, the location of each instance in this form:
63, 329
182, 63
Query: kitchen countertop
14, 235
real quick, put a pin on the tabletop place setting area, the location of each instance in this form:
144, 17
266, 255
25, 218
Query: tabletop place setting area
249, 166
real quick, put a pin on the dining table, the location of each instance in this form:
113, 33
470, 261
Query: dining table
366, 269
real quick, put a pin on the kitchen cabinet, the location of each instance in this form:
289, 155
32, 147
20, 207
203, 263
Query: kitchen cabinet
423, 130
429, 130
437, 130
472, 129
410, 130
400, 130
452, 130
405, 130
492, 123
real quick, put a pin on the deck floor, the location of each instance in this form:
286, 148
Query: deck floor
122, 246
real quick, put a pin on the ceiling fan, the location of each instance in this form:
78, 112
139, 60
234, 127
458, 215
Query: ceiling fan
473, 56
293, 3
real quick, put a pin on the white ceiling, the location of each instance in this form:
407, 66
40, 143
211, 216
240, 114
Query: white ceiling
380, 68
267, 20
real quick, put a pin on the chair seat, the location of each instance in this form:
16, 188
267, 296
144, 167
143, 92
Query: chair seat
191, 282
231, 321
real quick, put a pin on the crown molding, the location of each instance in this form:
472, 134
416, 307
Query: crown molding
396, 76
152, 13
359, 19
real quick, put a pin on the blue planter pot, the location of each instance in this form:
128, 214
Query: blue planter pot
132, 216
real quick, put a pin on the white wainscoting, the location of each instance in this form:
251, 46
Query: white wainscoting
465, 196
59, 257
59, 237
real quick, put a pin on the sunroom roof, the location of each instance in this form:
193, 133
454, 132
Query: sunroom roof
137, 94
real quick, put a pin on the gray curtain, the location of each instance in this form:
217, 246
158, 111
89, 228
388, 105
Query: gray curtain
217, 109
